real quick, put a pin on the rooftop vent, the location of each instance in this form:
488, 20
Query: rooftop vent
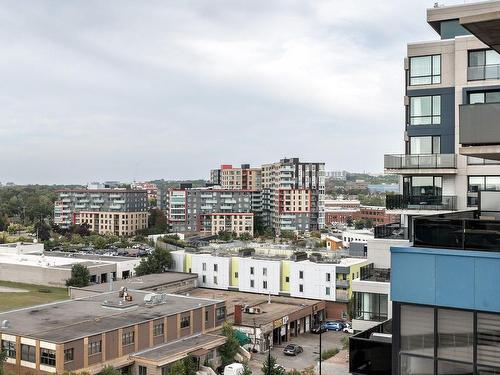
5, 324
155, 299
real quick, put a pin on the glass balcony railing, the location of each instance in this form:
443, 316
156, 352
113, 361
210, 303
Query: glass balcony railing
423, 161
421, 202
393, 231
479, 73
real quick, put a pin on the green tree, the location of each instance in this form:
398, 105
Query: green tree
359, 224
3, 358
349, 222
246, 369
4, 222
159, 261
287, 234
157, 222
269, 367
110, 370
80, 276
225, 235
231, 346
245, 236
42, 229
185, 366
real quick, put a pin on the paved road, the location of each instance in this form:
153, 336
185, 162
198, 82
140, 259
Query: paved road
310, 343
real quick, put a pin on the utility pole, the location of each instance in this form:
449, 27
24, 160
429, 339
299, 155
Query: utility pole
320, 334
269, 356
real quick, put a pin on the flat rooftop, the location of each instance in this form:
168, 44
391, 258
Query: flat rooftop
73, 319
278, 308
187, 345
143, 282
105, 258
45, 261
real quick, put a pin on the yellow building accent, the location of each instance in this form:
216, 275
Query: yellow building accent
285, 273
188, 262
235, 266
354, 274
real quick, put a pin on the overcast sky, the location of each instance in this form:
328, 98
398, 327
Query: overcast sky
123, 90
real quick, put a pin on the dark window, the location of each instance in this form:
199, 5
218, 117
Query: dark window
484, 97
185, 322
370, 306
236, 275
206, 316
9, 347
215, 267
416, 186
301, 274
143, 370
264, 284
158, 329
425, 110
128, 338
478, 183
287, 279
483, 64
69, 354
28, 353
301, 288
252, 283
95, 347
251, 270
47, 357
220, 313
425, 70
328, 277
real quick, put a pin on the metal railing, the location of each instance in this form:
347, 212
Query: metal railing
370, 273
479, 73
392, 231
421, 202
403, 161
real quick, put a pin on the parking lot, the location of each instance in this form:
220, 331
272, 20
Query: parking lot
310, 344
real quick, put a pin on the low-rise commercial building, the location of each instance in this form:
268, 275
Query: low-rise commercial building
268, 320
55, 269
135, 331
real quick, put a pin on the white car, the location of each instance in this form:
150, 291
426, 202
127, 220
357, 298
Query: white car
348, 328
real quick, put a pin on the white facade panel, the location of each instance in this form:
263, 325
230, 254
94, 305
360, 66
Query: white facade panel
265, 278
213, 272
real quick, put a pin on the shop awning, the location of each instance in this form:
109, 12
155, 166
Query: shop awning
242, 337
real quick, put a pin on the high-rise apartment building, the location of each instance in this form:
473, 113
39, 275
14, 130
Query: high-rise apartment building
450, 83
242, 178
293, 195
445, 299
211, 210
118, 211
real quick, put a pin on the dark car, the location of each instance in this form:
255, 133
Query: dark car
320, 328
292, 349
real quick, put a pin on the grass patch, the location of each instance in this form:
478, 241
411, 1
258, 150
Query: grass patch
329, 353
345, 342
35, 295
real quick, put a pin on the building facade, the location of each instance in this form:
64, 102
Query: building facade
293, 195
212, 209
116, 211
237, 178
135, 331
450, 83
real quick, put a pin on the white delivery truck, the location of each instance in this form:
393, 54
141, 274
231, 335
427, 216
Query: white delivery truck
234, 369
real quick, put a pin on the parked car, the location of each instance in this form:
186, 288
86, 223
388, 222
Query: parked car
334, 326
234, 369
293, 349
320, 328
348, 328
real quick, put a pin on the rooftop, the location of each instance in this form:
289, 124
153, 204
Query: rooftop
144, 282
73, 319
174, 348
278, 308
46, 261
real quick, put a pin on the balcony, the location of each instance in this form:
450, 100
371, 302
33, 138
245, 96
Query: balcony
479, 132
421, 164
483, 72
342, 283
423, 202
370, 273
370, 351
463, 230
341, 295
393, 231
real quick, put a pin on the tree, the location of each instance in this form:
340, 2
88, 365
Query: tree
224, 235
269, 367
246, 369
288, 234
4, 222
359, 224
159, 261
230, 347
110, 370
349, 221
185, 366
80, 276
42, 230
3, 358
157, 222
245, 236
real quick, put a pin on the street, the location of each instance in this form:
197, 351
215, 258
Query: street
309, 358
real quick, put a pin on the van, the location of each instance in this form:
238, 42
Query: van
234, 369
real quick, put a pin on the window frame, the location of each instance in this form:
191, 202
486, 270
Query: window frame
48, 357
94, 347
30, 353
431, 76
158, 329
431, 115
128, 338
69, 355
185, 322
9, 347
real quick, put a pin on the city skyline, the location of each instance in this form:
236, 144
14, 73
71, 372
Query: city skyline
169, 90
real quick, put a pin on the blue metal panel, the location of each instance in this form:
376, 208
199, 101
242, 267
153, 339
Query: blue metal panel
487, 284
445, 277
455, 281
413, 278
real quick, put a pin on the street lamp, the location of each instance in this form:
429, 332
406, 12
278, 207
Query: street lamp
269, 355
